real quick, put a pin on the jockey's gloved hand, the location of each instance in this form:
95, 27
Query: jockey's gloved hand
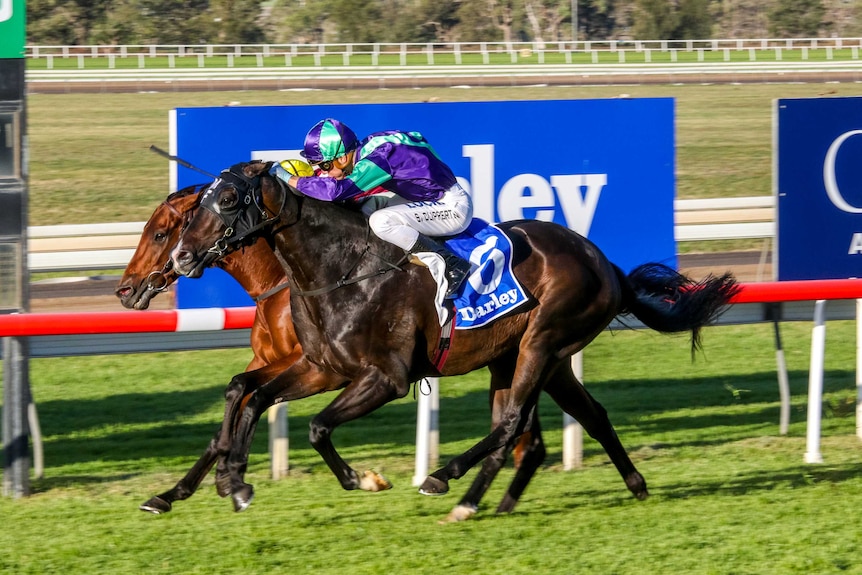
285, 169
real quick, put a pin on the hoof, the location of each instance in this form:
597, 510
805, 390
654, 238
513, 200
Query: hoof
222, 484
637, 485
507, 505
242, 497
434, 486
460, 513
156, 506
372, 481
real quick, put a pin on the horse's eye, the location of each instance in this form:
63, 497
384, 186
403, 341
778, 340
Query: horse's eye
160, 237
228, 199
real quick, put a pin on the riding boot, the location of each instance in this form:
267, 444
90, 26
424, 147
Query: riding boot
457, 268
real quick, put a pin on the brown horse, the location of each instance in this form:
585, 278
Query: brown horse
368, 325
273, 340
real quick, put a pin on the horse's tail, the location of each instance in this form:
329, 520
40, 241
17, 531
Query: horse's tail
668, 301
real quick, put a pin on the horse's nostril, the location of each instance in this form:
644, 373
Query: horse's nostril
123, 291
183, 257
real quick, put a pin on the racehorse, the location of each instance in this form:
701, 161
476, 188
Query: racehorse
273, 340
367, 323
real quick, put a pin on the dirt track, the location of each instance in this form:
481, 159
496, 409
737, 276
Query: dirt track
347, 82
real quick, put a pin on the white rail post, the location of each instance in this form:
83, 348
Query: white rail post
859, 368
783, 384
815, 384
573, 433
427, 430
279, 443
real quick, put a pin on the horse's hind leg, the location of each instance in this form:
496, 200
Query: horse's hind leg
530, 447
575, 400
186, 486
533, 456
513, 418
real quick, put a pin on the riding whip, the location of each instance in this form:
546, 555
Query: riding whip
180, 161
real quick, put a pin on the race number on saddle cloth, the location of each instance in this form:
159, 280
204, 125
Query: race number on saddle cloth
491, 290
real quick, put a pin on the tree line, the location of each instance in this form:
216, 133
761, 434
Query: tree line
105, 22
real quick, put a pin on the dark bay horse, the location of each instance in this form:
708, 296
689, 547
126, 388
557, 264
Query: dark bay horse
273, 340
367, 324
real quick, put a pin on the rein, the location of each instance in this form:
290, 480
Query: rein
271, 292
345, 280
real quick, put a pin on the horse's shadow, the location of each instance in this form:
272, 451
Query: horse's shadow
721, 485
171, 426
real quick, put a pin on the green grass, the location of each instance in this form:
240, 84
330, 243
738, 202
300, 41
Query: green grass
728, 494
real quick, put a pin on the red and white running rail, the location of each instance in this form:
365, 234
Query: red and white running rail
206, 319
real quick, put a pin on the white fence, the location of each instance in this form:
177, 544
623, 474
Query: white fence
402, 54
83, 247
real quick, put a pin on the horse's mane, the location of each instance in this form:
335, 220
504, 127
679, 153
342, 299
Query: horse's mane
187, 191
348, 212
344, 219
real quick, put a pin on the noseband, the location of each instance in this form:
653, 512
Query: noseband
157, 280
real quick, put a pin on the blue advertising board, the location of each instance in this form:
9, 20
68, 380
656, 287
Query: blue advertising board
605, 168
818, 181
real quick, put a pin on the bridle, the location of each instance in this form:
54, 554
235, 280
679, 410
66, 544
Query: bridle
241, 222
157, 280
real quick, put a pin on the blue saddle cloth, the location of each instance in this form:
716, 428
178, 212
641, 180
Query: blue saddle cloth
492, 290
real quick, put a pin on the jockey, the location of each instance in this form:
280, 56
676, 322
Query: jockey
425, 199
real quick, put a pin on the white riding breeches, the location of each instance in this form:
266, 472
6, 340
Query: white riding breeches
401, 221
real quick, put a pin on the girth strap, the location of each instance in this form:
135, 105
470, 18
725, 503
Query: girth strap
446, 334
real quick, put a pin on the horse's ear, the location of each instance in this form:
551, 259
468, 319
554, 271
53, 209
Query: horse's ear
256, 168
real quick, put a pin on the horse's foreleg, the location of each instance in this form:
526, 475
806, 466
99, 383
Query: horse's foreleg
370, 390
575, 400
300, 380
237, 395
186, 486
